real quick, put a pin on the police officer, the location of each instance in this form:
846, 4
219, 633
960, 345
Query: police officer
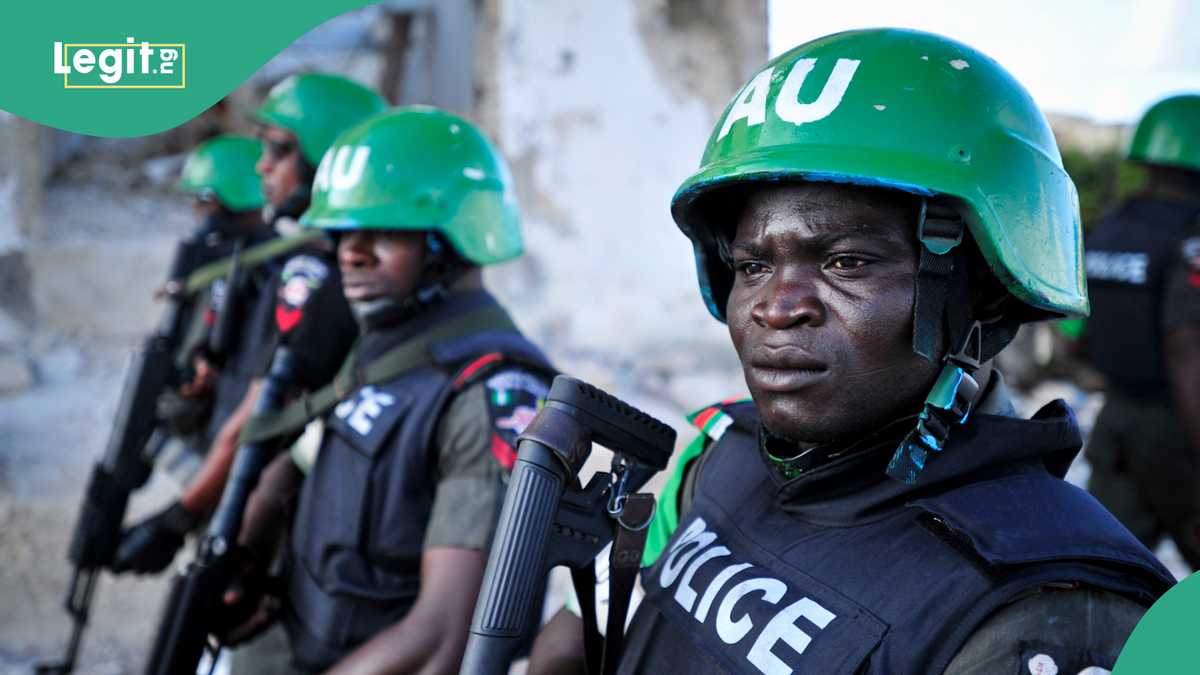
220, 175
1145, 448
283, 281
228, 204
875, 214
394, 518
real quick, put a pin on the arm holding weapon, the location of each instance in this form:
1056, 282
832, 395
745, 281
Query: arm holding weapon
135, 439
150, 545
548, 520
194, 607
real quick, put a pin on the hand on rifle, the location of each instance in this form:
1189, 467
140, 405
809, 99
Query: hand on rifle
202, 381
151, 545
251, 604
254, 599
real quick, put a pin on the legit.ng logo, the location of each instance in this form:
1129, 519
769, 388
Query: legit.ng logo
121, 65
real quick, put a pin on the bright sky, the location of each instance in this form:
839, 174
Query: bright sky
1104, 59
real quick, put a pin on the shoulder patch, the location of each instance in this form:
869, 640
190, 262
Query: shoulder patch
302, 275
1191, 260
713, 420
514, 397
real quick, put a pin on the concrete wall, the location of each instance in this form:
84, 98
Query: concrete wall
603, 109
23, 161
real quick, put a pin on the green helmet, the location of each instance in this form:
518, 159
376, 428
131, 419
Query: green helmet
224, 167
912, 111
420, 168
316, 107
1169, 133
919, 113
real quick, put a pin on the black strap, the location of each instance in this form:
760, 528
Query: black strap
624, 562
250, 258
949, 403
584, 579
602, 651
411, 354
939, 231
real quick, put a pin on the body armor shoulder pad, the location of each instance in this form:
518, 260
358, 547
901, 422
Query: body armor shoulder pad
474, 356
1067, 524
714, 420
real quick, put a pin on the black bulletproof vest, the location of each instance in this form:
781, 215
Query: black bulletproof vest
1129, 254
747, 587
359, 530
254, 326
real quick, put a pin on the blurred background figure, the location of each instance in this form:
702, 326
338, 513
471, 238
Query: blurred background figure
1143, 269
602, 109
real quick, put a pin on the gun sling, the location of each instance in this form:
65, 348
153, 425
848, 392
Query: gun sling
413, 353
251, 257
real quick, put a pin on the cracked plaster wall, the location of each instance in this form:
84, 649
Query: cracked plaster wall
603, 109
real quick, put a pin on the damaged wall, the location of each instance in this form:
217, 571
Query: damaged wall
23, 166
603, 109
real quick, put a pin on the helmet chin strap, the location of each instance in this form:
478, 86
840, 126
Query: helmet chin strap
941, 307
440, 270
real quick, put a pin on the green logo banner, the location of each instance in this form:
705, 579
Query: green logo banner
137, 67
1164, 641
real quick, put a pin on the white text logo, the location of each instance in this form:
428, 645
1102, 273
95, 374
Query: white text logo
121, 65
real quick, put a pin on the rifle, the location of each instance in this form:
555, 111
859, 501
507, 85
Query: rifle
548, 520
134, 441
194, 606
221, 338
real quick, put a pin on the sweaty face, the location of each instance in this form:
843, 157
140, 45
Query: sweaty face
821, 309
380, 264
279, 166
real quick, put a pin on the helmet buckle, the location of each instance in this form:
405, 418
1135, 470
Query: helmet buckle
970, 353
949, 404
939, 228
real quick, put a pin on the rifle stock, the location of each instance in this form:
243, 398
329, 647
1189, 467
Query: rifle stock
540, 500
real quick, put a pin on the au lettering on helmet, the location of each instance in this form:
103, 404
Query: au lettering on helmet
750, 103
420, 168
910, 111
341, 168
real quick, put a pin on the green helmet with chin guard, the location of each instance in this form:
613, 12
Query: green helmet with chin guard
425, 169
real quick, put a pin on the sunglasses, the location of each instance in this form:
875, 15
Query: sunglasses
277, 149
